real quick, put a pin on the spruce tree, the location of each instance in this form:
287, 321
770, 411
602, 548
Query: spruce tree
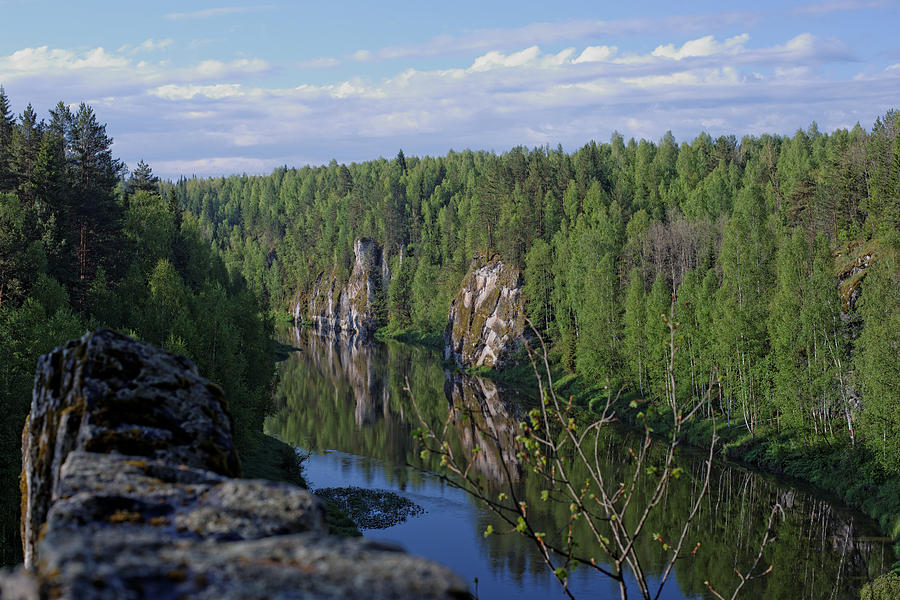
7, 123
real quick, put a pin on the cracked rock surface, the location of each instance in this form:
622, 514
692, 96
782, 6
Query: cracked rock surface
486, 324
129, 491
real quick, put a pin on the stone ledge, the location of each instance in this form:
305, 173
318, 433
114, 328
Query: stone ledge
127, 464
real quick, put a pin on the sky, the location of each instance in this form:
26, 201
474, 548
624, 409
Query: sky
217, 88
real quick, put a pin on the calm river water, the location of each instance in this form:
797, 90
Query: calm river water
345, 405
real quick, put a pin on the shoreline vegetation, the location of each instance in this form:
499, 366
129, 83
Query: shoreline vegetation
847, 474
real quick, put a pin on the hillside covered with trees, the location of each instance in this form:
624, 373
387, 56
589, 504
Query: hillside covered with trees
780, 253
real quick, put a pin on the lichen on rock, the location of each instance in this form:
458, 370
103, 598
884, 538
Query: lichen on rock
486, 323
127, 471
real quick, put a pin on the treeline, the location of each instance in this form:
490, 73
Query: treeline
760, 247
84, 246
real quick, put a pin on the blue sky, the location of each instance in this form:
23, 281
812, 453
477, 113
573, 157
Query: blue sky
214, 88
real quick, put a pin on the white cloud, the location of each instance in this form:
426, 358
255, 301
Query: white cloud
46, 60
99, 67
186, 92
596, 54
705, 46
211, 69
318, 63
493, 60
149, 45
228, 118
551, 33
789, 73
216, 165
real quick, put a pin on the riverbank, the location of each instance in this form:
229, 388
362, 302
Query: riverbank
834, 467
837, 468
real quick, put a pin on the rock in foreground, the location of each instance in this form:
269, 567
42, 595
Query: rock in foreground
128, 493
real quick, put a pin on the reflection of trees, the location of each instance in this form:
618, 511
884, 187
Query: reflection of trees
350, 398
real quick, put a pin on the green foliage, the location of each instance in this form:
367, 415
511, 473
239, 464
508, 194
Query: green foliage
79, 251
635, 329
877, 349
886, 587
538, 287
742, 232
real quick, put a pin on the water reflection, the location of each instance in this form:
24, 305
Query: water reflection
345, 403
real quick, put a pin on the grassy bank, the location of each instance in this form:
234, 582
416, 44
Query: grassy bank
275, 460
847, 472
418, 337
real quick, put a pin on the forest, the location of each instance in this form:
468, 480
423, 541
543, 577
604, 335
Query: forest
780, 252
776, 255
85, 244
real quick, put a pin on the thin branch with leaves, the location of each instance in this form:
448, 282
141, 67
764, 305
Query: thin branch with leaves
566, 457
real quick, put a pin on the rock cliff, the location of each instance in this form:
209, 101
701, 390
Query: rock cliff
351, 310
486, 323
128, 492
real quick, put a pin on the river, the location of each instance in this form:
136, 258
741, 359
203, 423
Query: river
344, 404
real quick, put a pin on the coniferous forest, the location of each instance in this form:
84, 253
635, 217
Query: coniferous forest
776, 255
85, 244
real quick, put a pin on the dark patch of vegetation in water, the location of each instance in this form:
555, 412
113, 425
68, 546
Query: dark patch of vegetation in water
371, 508
281, 351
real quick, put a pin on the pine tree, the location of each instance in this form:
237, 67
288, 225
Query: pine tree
143, 178
538, 288
26, 141
7, 124
95, 216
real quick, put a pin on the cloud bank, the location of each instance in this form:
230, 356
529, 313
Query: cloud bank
216, 117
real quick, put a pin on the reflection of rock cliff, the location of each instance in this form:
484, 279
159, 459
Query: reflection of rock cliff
480, 400
352, 361
351, 310
127, 466
487, 318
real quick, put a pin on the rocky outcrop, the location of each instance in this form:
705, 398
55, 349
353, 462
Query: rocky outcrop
128, 492
486, 324
351, 310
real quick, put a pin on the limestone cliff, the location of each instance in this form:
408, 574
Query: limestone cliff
486, 323
351, 310
128, 493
